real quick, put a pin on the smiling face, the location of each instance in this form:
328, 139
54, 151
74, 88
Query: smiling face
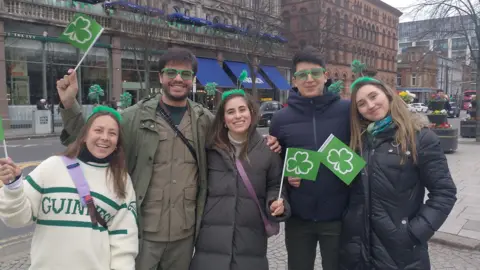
310, 79
176, 79
102, 137
372, 102
237, 116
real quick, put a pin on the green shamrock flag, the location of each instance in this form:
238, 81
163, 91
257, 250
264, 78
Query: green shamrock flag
2, 132
82, 32
302, 163
341, 159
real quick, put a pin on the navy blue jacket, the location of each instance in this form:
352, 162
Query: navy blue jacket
306, 123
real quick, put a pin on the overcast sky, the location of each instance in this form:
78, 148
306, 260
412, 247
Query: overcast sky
401, 5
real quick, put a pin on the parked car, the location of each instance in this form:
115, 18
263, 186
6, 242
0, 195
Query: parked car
454, 111
267, 109
420, 107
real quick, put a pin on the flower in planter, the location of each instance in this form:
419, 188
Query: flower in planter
444, 125
406, 96
439, 112
438, 97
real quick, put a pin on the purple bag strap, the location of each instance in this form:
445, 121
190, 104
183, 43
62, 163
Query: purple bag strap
78, 178
250, 189
83, 190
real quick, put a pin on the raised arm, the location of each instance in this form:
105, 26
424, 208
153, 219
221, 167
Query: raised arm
70, 110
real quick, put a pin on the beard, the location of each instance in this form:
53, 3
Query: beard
168, 93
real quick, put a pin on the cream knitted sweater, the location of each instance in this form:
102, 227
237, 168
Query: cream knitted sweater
64, 236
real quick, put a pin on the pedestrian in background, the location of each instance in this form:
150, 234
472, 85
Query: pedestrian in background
387, 225
233, 234
77, 232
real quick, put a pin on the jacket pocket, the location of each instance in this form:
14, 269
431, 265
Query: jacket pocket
190, 206
152, 211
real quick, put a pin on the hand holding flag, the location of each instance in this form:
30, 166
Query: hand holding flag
341, 159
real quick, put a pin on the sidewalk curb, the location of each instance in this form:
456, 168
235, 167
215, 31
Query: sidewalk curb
455, 241
30, 136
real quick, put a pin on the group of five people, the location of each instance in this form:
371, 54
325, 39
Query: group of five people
169, 186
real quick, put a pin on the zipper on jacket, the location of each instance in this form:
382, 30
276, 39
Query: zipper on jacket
314, 127
369, 207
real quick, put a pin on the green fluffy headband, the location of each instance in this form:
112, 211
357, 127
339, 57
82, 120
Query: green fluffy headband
363, 80
233, 92
106, 109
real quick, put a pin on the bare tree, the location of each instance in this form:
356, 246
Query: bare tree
148, 23
256, 41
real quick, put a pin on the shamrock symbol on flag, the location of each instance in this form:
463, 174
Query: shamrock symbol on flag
299, 163
79, 30
341, 159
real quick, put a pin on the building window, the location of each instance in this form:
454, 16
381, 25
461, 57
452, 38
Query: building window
414, 79
176, 9
187, 12
399, 80
216, 19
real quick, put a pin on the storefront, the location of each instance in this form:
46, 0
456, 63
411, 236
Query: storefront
35, 60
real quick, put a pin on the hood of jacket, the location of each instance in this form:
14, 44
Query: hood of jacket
308, 105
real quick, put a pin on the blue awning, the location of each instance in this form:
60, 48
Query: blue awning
210, 71
238, 67
276, 77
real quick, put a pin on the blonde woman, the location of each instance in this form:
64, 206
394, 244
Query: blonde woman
387, 224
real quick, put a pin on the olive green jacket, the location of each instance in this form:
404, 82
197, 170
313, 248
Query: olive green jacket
141, 141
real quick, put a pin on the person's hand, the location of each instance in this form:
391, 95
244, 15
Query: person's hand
67, 88
273, 143
8, 171
277, 208
294, 181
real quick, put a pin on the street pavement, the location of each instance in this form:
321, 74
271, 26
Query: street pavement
462, 226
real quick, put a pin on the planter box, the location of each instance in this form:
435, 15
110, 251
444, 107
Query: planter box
437, 119
437, 105
468, 128
448, 138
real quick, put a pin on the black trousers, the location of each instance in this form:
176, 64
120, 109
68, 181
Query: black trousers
301, 239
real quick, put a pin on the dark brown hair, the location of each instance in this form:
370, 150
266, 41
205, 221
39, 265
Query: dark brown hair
401, 116
117, 166
219, 132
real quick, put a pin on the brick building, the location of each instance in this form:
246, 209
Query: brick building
345, 30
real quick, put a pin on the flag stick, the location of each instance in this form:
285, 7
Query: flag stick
5, 148
283, 177
85, 54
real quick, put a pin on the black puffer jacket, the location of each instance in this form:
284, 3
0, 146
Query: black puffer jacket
387, 225
232, 234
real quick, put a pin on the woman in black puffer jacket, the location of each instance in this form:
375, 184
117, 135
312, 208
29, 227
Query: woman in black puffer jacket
387, 224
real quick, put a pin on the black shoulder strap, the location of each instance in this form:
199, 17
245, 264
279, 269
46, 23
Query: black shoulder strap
167, 118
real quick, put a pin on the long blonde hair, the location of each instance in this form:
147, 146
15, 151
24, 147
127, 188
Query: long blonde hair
407, 125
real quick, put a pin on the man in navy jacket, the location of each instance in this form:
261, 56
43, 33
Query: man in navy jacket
317, 206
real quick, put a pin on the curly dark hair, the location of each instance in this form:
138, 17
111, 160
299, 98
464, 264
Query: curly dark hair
178, 55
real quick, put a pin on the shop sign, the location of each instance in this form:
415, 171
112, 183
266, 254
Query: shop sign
257, 80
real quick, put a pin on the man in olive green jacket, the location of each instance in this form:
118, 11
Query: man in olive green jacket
169, 172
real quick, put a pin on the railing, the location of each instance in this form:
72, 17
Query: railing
21, 116
59, 13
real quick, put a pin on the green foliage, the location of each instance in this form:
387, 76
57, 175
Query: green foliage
336, 87
211, 88
126, 99
358, 67
95, 92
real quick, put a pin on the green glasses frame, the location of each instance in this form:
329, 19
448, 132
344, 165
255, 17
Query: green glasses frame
303, 74
184, 73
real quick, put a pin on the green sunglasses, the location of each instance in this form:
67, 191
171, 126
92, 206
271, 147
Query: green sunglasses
303, 74
172, 73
